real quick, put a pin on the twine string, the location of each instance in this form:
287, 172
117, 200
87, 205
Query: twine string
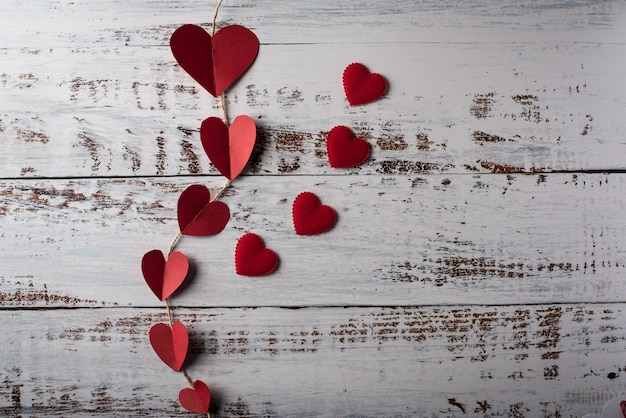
223, 107
217, 9
187, 377
220, 191
221, 96
169, 313
173, 244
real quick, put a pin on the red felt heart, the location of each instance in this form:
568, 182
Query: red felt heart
344, 149
197, 215
170, 344
196, 399
228, 149
164, 277
310, 217
214, 62
361, 86
252, 258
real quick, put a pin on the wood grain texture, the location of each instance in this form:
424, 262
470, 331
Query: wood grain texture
541, 103
477, 265
549, 360
411, 240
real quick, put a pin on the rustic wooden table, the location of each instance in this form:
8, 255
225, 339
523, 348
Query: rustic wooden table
478, 264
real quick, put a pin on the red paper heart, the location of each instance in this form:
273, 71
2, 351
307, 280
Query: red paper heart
170, 344
196, 399
361, 86
228, 149
344, 149
252, 258
214, 62
197, 215
310, 217
163, 277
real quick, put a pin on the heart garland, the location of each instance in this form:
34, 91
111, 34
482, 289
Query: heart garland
164, 277
228, 149
198, 215
196, 399
170, 344
216, 61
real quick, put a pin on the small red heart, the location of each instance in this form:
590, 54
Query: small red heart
361, 86
163, 277
214, 62
196, 399
228, 149
197, 215
344, 149
310, 217
252, 258
170, 344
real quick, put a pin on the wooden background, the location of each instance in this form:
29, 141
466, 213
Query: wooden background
478, 264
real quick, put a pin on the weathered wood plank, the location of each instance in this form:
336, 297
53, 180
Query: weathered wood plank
450, 108
522, 361
54, 23
400, 240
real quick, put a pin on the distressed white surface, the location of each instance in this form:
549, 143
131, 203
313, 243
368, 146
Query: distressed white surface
123, 109
477, 268
399, 240
435, 361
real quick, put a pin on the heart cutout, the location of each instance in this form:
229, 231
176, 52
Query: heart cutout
252, 258
197, 215
228, 149
164, 277
196, 399
214, 62
361, 86
310, 217
344, 149
170, 344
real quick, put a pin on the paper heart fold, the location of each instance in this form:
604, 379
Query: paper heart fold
310, 217
196, 399
214, 62
252, 258
197, 215
344, 149
164, 277
229, 149
361, 86
170, 344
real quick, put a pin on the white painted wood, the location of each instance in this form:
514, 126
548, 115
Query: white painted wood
54, 23
91, 110
477, 266
401, 240
549, 360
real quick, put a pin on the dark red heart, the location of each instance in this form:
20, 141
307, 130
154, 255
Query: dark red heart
197, 215
310, 217
228, 149
361, 86
164, 277
170, 344
196, 399
344, 149
252, 258
214, 62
